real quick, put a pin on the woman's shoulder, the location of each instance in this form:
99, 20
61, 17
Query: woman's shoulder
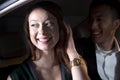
22, 72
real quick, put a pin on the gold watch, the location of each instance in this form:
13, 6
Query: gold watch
75, 62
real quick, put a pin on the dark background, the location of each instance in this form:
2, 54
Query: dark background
12, 39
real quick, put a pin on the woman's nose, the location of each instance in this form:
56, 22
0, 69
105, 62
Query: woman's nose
42, 30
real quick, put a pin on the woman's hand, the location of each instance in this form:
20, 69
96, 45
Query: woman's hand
79, 72
71, 51
9, 78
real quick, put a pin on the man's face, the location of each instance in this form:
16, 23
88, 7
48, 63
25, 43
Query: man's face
102, 25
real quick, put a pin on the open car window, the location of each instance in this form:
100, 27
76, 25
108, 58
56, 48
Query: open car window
9, 5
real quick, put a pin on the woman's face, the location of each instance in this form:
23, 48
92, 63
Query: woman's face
44, 29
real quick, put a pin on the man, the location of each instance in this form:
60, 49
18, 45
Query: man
102, 50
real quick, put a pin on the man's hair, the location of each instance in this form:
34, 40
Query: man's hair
113, 4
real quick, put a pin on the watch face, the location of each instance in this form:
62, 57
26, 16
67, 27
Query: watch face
76, 62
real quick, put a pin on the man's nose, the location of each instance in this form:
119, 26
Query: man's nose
93, 24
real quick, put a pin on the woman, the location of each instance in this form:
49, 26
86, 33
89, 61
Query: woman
54, 56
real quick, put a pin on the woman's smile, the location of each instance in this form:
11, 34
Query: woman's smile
43, 40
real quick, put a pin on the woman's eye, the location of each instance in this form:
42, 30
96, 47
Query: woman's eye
34, 25
49, 24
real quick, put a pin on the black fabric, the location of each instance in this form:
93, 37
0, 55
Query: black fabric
86, 48
23, 72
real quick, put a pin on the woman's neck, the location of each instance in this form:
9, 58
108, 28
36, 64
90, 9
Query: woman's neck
46, 60
47, 66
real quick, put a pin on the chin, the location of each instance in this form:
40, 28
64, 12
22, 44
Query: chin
44, 48
96, 40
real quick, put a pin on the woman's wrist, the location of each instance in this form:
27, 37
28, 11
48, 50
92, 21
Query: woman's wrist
75, 59
75, 62
73, 55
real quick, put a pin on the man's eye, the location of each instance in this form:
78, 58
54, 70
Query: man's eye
99, 19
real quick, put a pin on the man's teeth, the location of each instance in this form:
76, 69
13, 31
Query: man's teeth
96, 33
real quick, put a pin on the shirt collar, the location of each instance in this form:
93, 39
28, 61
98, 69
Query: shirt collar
117, 46
116, 49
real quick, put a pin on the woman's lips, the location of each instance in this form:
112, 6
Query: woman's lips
43, 40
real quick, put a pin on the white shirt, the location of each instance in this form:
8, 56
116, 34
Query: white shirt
106, 62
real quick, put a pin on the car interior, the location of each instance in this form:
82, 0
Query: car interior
12, 13
13, 45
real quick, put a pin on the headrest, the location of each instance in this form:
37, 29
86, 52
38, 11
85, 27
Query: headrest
13, 49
